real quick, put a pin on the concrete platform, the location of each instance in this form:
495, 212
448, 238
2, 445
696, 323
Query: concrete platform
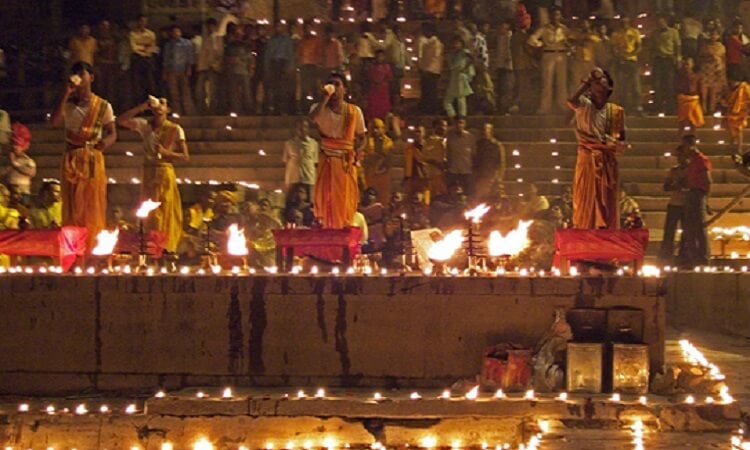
76, 333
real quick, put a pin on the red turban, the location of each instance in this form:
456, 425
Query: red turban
21, 135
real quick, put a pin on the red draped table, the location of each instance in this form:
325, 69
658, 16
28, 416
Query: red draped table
600, 245
328, 244
64, 243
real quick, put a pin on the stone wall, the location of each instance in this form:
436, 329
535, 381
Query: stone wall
718, 302
70, 333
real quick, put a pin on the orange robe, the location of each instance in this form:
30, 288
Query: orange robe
84, 181
689, 110
160, 184
377, 169
596, 181
336, 192
737, 105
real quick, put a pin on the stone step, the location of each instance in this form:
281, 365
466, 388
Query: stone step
504, 121
508, 133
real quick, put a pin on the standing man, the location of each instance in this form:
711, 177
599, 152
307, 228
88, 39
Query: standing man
82, 46
179, 57
341, 125
332, 51
209, 68
279, 65
433, 154
308, 59
586, 41
504, 67
525, 67
430, 62
163, 143
626, 46
89, 130
300, 157
667, 54
698, 183
489, 162
460, 146
552, 39
600, 131
676, 185
143, 62
107, 65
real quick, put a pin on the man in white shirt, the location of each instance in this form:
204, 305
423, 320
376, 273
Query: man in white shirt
208, 67
300, 156
430, 63
503, 63
552, 39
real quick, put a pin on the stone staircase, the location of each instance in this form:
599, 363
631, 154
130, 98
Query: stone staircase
539, 150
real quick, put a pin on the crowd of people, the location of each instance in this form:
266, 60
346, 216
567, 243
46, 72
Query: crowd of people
527, 61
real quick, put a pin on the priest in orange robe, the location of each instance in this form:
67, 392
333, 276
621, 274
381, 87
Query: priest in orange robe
600, 131
342, 130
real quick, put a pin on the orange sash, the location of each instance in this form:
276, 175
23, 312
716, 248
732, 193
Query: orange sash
92, 124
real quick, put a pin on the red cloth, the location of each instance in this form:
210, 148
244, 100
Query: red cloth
600, 245
130, 242
64, 243
734, 53
698, 166
322, 243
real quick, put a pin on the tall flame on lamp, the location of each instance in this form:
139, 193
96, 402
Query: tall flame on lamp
105, 244
142, 213
444, 249
237, 243
474, 218
512, 244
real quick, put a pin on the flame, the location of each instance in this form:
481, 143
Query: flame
511, 244
105, 242
236, 245
476, 214
444, 249
146, 207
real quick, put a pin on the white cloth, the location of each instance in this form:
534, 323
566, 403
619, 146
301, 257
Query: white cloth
395, 50
591, 122
211, 53
300, 157
430, 55
691, 28
15, 178
74, 115
331, 124
151, 139
367, 45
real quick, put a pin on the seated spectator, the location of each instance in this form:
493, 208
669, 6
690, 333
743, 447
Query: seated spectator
374, 214
259, 222
628, 207
298, 211
359, 221
19, 202
21, 168
502, 214
225, 211
447, 210
417, 212
118, 220
565, 203
47, 213
9, 217
5, 129
199, 213
533, 203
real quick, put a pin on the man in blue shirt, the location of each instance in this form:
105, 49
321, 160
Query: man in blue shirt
279, 65
179, 57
